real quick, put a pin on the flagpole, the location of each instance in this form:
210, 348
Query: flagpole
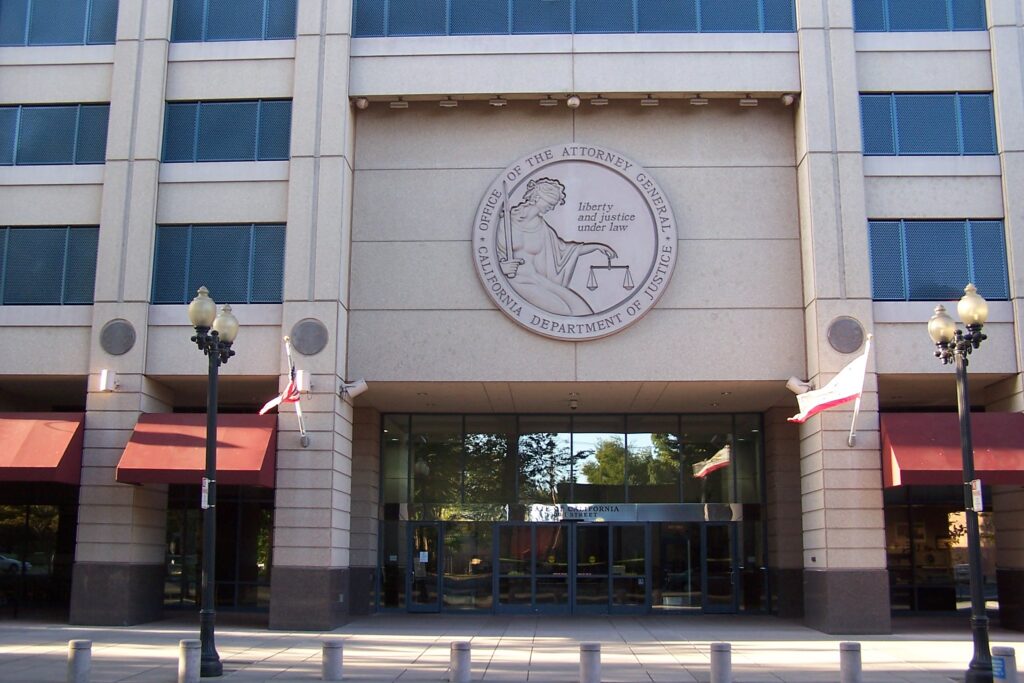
303, 437
856, 406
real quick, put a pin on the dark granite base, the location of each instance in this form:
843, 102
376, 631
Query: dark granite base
849, 601
1010, 583
305, 599
108, 594
360, 585
788, 589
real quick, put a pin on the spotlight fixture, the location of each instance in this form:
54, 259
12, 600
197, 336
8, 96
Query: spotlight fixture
448, 103
748, 101
574, 400
497, 102
572, 101
699, 101
599, 101
362, 103
398, 104
649, 101
788, 99
548, 101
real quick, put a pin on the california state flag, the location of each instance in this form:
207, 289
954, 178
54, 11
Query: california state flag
844, 387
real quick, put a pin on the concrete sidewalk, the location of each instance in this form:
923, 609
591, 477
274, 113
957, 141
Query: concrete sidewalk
542, 649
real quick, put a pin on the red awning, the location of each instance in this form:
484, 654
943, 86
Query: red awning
170, 448
924, 448
41, 447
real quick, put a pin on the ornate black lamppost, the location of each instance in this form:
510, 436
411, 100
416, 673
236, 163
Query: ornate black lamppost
214, 335
953, 345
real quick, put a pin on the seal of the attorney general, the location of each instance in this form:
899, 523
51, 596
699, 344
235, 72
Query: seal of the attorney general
574, 241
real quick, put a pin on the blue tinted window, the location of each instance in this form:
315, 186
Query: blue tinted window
48, 265
372, 18
14, 22
919, 15
237, 263
252, 130
214, 20
604, 16
8, 133
368, 18
934, 260
479, 17
928, 124
665, 16
541, 16
57, 22
730, 16
58, 134
102, 22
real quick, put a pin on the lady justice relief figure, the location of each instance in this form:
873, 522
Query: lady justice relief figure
538, 263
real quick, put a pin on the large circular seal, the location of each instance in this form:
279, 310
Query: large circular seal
574, 242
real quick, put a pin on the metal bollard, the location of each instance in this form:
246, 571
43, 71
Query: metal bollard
590, 662
461, 662
79, 661
849, 663
721, 663
331, 662
188, 661
1004, 664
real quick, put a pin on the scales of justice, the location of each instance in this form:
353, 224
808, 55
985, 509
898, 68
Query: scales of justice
538, 262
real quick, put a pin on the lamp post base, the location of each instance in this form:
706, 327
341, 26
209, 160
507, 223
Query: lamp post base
978, 676
209, 661
212, 668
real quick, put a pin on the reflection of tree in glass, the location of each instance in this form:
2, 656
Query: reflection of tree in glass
647, 465
487, 478
544, 466
437, 469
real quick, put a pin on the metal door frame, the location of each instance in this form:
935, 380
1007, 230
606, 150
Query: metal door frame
732, 529
411, 568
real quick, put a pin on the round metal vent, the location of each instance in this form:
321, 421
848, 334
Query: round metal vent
309, 336
845, 334
117, 337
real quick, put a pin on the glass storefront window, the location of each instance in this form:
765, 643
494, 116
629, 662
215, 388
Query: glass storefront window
436, 458
707, 460
746, 454
652, 470
544, 467
395, 459
468, 567
599, 459
490, 459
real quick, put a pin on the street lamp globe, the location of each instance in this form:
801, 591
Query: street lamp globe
972, 308
941, 327
226, 325
202, 310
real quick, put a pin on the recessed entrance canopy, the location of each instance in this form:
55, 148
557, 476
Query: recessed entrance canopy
41, 447
924, 448
170, 448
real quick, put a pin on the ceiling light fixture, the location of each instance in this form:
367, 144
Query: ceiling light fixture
362, 103
497, 101
748, 101
548, 101
649, 101
788, 99
399, 104
573, 101
699, 101
599, 101
448, 103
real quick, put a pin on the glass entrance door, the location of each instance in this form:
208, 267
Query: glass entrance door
425, 578
719, 568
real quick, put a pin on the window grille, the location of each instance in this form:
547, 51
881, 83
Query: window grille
479, 17
249, 130
954, 124
239, 264
932, 260
197, 21
32, 135
48, 265
57, 22
919, 15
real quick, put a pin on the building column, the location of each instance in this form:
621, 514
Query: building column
1006, 37
785, 540
119, 557
365, 507
846, 585
311, 578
